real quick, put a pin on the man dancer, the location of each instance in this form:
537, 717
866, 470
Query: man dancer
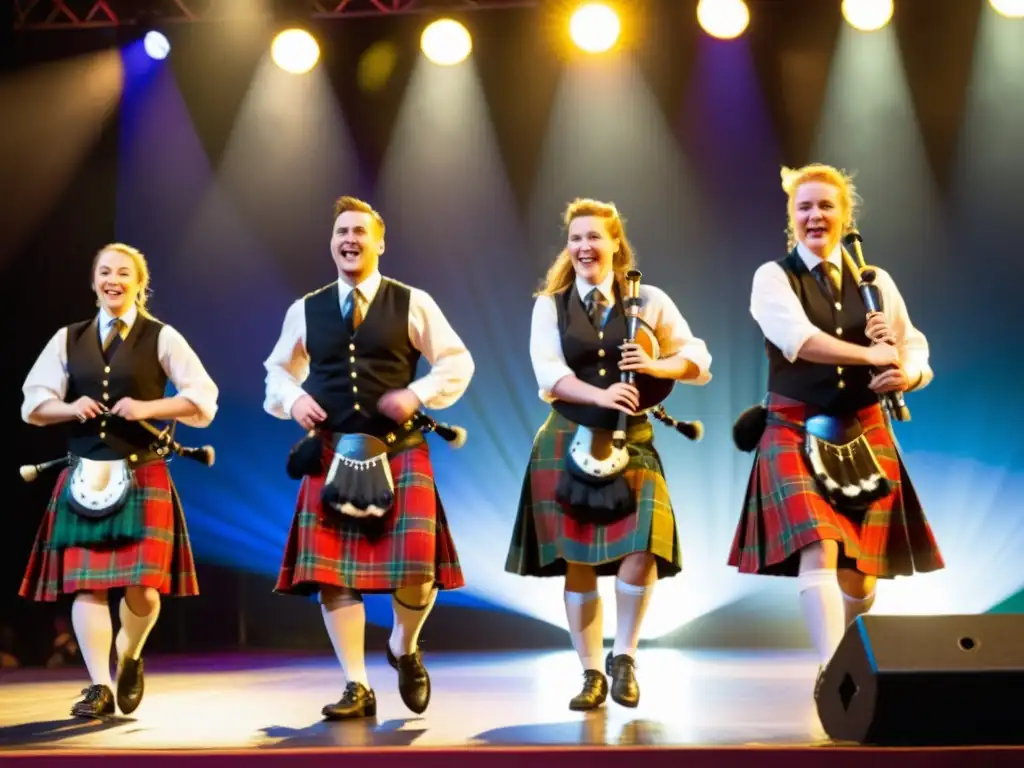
345, 364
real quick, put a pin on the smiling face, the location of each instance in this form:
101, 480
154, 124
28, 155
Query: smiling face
356, 245
818, 216
591, 248
116, 281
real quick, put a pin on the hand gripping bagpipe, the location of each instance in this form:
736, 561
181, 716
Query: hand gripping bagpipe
358, 483
98, 488
597, 458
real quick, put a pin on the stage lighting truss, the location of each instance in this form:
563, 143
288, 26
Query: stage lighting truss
91, 14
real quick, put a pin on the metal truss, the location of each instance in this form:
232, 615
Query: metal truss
94, 14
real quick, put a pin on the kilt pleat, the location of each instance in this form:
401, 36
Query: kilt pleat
783, 510
412, 544
545, 537
161, 558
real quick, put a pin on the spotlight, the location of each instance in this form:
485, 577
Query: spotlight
1012, 9
867, 15
724, 19
157, 46
594, 27
295, 51
446, 42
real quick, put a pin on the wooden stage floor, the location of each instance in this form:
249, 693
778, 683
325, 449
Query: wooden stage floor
264, 705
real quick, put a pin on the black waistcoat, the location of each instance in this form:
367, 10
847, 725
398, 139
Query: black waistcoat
134, 371
831, 389
348, 372
593, 356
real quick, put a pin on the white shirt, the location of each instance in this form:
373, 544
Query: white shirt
776, 308
658, 310
430, 333
48, 379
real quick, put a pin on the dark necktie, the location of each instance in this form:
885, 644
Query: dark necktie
113, 339
595, 306
350, 310
832, 278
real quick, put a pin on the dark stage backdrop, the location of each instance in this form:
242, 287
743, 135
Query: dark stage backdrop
223, 169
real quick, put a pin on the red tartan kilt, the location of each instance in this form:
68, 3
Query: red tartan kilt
410, 545
784, 511
162, 557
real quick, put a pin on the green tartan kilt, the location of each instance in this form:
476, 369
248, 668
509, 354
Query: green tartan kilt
546, 537
121, 527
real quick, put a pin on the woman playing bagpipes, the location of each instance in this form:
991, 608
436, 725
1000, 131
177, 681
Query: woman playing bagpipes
829, 501
578, 517
114, 519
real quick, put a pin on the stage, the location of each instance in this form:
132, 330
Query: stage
696, 708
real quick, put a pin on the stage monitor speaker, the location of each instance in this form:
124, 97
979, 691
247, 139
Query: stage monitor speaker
926, 680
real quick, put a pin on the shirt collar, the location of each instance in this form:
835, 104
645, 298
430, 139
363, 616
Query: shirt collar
811, 261
367, 288
605, 287
105, 319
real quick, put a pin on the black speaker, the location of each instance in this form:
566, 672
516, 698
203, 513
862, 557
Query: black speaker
902, 680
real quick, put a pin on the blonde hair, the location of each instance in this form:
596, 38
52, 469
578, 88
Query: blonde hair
792, 178
141, 270
346, 203
560, 274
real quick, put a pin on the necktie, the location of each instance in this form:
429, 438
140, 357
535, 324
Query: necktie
113, 339
595, 308
351, 310
831, 271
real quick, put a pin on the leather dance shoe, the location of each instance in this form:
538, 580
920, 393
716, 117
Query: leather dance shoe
594, 693
358, 701
131, 684
625, 689
98, 703
413, 680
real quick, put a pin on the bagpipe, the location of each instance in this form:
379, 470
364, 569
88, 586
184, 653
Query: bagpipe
358, 483
837, 451
597, 458
98, 488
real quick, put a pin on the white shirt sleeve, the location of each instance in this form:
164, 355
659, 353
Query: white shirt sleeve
546, 355
288, 364
911, 342
48, 378
451, 365
673, 333
777, 310
186, 372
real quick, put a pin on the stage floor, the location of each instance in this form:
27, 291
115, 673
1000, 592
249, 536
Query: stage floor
510, 699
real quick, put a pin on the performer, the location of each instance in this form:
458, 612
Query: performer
345, 364
830, 360
578, 351
107, 376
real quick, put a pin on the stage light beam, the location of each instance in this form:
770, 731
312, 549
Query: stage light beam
724, 19
446, 42
867, 15
156, 45
1011, 9
295, 51
594, 27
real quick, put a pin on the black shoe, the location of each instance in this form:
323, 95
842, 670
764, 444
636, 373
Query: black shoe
98, 703
131, 684
413, 680
594, 693
625, 689
358, 701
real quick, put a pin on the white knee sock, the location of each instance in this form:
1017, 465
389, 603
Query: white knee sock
408, 619
345, 619
94, 631
822, 602
586, 626
134, 630
630, 606
856, 606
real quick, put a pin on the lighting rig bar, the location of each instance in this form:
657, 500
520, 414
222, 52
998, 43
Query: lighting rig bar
97, 14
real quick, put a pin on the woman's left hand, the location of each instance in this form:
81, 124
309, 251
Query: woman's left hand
636, 359
130, 409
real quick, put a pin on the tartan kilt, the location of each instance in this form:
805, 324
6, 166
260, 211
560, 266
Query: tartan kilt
410, 545
545, 537
161, 558
783, 511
